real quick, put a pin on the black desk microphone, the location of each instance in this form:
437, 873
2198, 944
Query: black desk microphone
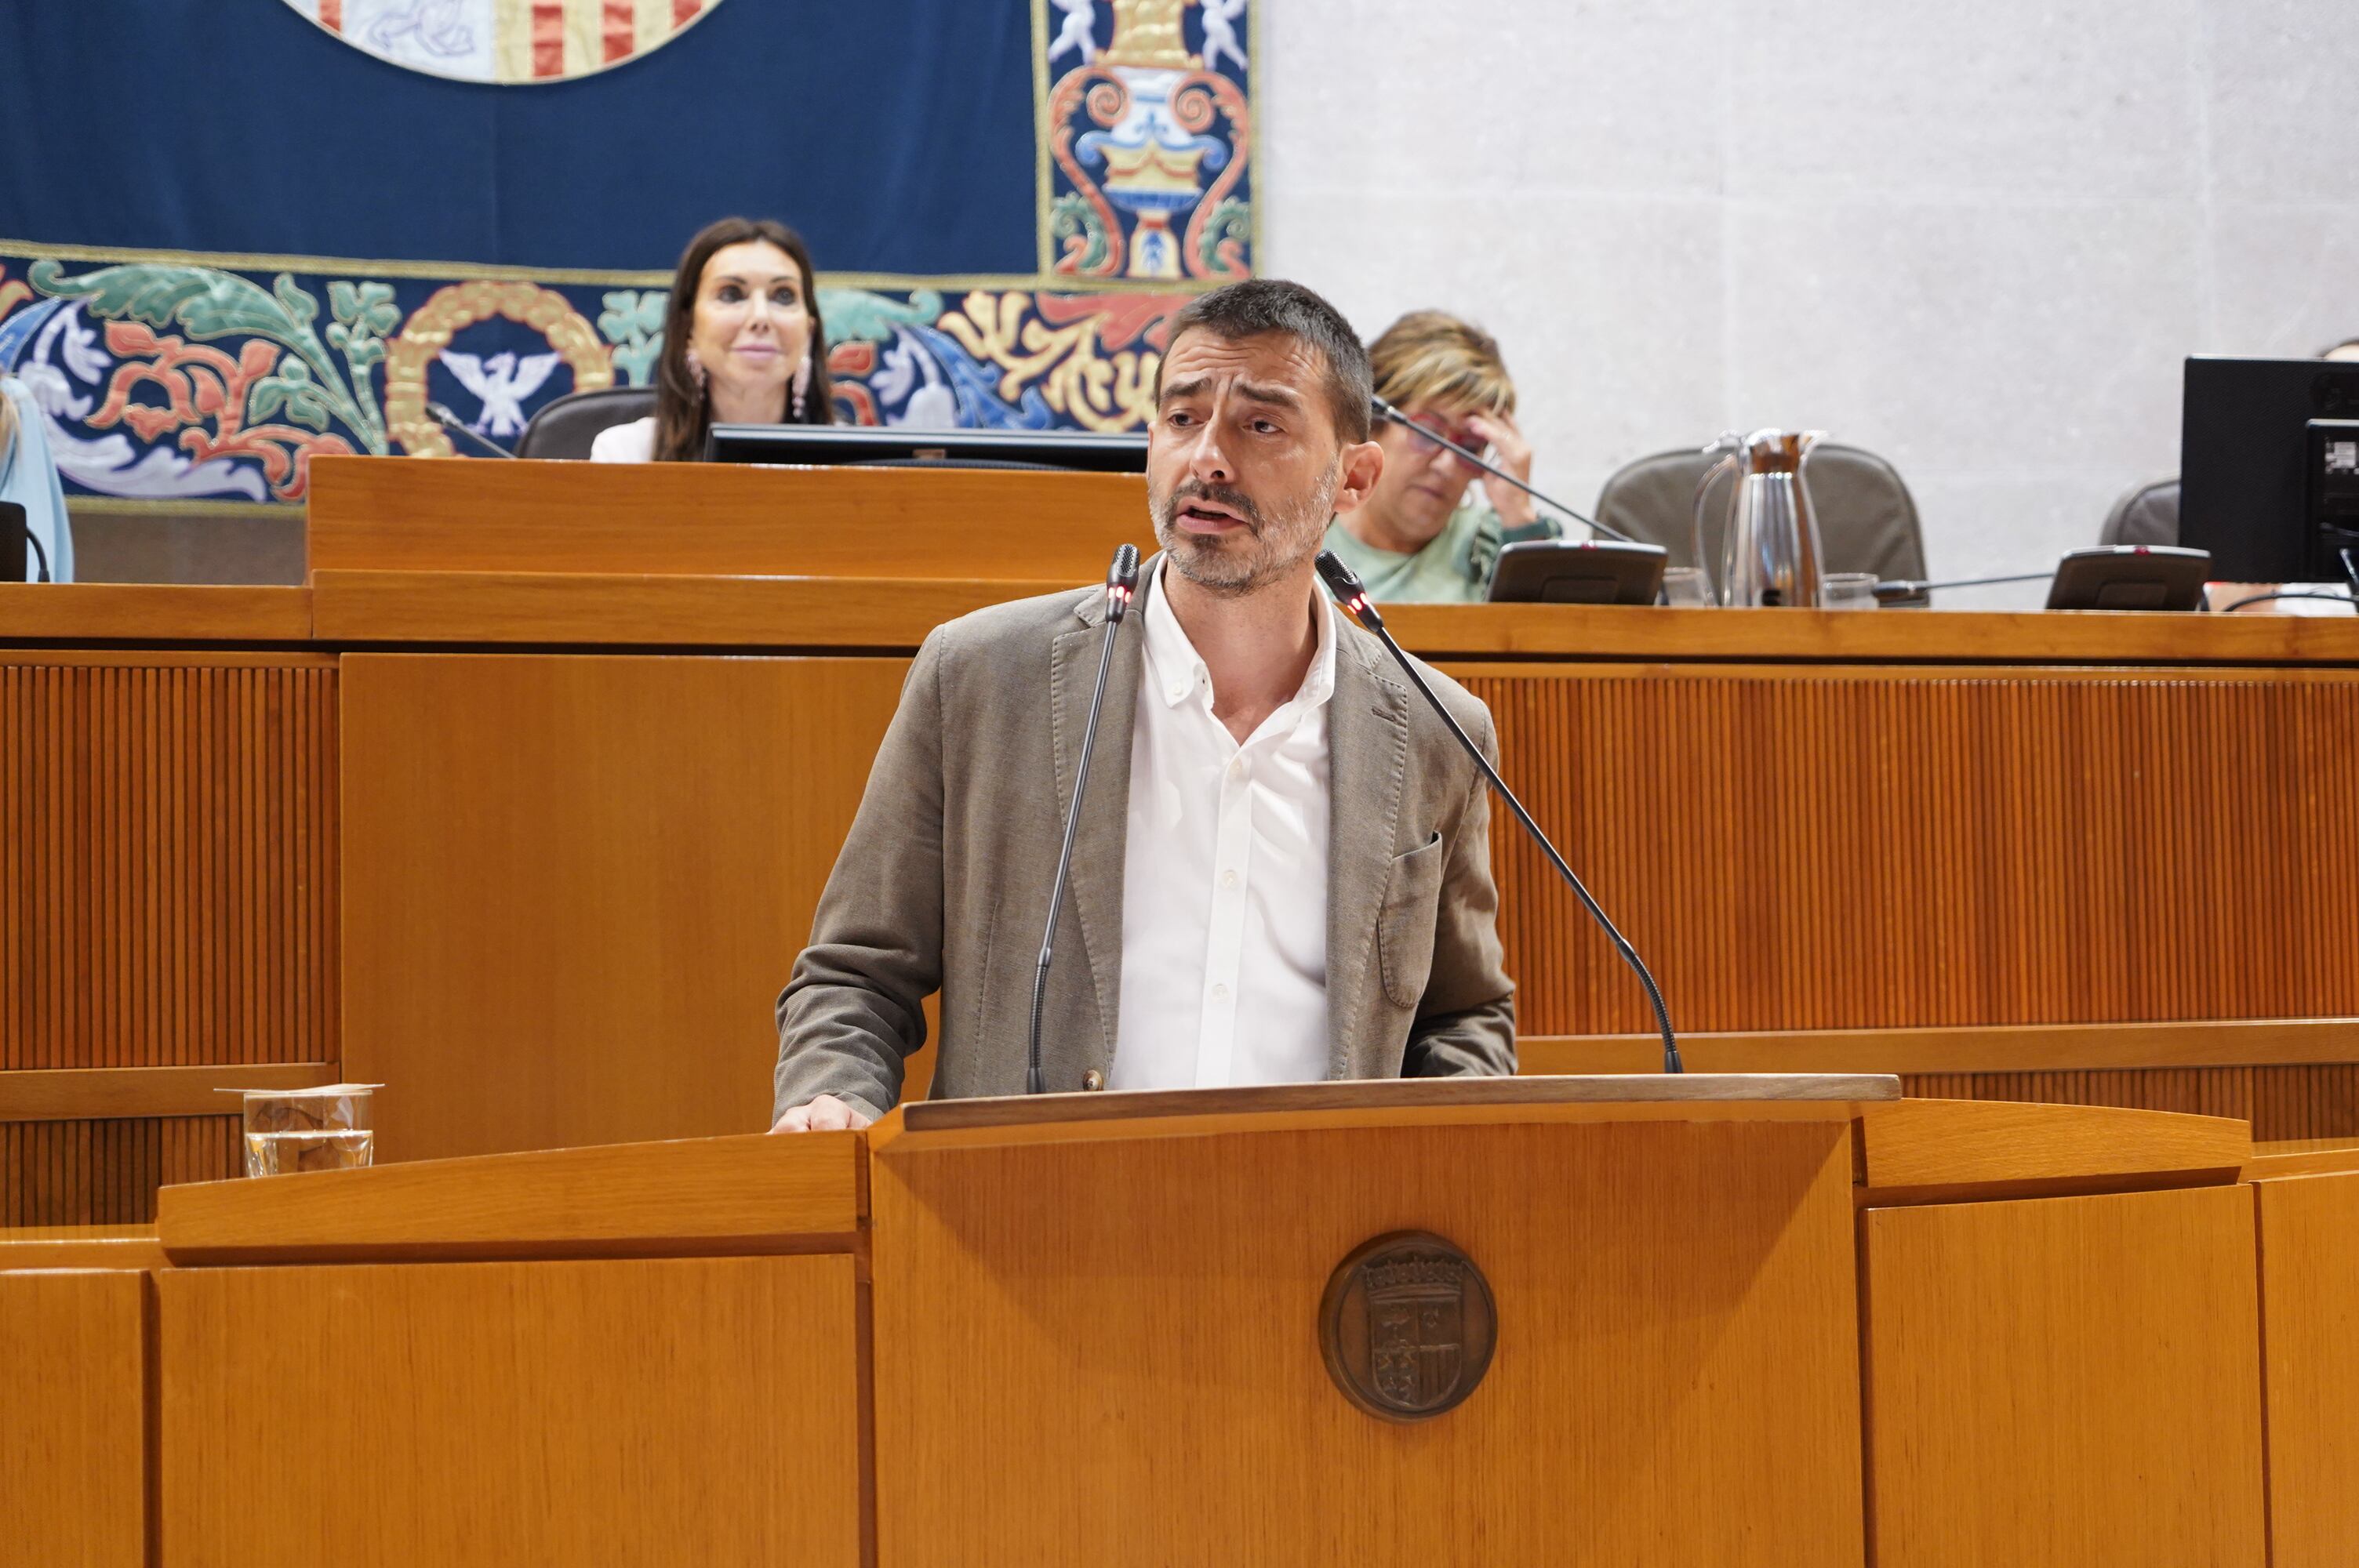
1346, 586
1122, 585
458, 427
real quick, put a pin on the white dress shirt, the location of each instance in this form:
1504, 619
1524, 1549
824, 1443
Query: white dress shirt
1225, 878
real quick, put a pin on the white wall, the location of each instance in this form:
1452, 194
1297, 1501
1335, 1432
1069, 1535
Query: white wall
1976, 238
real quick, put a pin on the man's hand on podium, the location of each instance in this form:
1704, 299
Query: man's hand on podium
825, 1114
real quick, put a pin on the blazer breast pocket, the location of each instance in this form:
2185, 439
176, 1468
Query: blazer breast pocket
1405, 924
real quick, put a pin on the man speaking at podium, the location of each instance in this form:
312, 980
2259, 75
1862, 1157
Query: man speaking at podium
1282, 871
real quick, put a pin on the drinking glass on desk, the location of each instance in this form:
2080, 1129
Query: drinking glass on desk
1685, 587
326, 1129
1847, 591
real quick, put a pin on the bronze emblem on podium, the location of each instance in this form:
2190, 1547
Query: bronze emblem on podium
1406, 1326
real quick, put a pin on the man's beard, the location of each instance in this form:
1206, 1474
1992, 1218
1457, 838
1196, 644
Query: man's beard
1268, 547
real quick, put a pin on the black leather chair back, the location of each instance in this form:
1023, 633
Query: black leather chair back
2147, 515
566, 426
1867, 519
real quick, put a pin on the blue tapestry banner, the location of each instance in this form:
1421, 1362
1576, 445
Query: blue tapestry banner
191, 336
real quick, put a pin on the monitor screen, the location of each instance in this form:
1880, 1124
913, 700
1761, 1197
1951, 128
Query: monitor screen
890, 446
2246, 449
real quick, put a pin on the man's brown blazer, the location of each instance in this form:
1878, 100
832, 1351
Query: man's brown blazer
943, 882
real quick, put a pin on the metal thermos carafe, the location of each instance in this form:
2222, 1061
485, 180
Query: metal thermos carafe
1769, 552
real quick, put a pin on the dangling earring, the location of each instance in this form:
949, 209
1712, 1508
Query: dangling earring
696, 372
802, 388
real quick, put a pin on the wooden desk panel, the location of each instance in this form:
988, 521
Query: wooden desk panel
577, 885
684, 1411
73, 1431
1853, 849
1106, 1351
2310, 1318
2066, 1381
413, 513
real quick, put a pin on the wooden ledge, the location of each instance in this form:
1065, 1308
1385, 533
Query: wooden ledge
2020, 1048
1394, 1102
79, 1247
701, 1197
2303, 1157
1921, 1150
1893, 636
107, 1094
152, 612
604, 609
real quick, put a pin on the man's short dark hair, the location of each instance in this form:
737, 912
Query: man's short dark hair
1263, 305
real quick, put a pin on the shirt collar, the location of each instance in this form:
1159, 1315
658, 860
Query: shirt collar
1177, 672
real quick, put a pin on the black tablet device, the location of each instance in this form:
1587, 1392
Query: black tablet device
1585, 572
2131, 576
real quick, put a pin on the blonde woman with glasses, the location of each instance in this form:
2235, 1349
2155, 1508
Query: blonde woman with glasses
1423, 534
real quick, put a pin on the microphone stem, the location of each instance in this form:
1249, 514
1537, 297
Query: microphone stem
1917, 588
1672, 1062
1386, 410
452, 425
1065, 855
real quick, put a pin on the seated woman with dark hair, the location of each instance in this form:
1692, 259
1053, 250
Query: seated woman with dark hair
742, 345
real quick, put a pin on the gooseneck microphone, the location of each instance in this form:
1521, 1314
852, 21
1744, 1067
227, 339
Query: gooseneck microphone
1346, 586
1384, 410
457, 427
1121, 586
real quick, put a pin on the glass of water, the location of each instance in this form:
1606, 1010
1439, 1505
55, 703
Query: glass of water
325, 1128
1847, 591
1685, 586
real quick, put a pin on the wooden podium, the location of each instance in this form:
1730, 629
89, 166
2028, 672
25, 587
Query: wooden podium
1088, 1329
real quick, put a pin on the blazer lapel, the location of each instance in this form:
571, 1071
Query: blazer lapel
1367, 764
1090, 929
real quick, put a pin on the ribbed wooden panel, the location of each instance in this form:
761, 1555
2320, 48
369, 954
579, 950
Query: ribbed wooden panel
167, 863
106, 1173
1882, 849
2280, 1102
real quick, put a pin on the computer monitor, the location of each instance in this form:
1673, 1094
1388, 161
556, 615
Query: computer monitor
890, 446
2269, 467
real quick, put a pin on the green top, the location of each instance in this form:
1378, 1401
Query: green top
1454, 567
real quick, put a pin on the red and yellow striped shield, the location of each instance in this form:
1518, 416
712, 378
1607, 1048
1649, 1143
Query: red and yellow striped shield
506, 40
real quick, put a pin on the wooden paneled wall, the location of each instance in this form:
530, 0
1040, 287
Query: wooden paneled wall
168, 860
168, 898
1808, 849
106, 1173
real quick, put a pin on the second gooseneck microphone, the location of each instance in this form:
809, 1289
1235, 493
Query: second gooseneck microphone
1121, 587
1346, 586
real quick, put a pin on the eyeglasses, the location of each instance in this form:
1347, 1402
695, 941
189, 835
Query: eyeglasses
1426, 446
